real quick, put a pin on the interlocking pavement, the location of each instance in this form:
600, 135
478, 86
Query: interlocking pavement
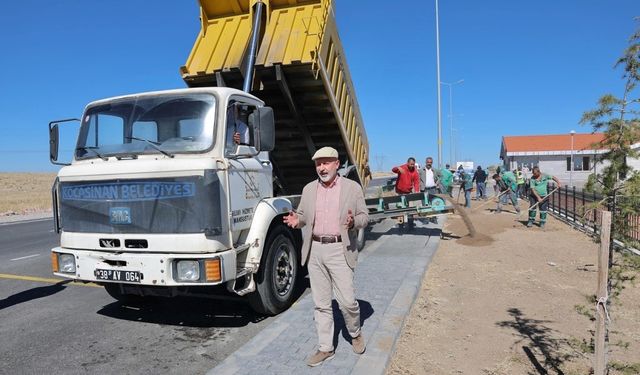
388, 277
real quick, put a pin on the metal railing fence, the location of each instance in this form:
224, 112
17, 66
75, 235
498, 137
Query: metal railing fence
583, 210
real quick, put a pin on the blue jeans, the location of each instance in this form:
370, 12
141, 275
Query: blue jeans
504, 199
520, 192
467, 198
481, 191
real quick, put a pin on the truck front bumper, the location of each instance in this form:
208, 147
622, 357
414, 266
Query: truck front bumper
153, 269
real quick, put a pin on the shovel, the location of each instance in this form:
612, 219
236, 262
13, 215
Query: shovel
490, 201
538, 203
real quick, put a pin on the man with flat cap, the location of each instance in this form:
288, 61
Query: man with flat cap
330, 213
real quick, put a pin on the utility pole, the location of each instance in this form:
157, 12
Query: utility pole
379, 162
439, 98
571, 162
451, 160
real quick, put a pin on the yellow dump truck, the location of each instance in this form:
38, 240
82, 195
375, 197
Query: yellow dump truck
300, 71
182, 192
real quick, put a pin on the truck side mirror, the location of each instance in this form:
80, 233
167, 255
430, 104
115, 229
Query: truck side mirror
54, 139
53, 142
264, 128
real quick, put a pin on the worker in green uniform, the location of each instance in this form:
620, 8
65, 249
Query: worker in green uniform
445, 180
467, 185
538, 193
507, 185
520, 182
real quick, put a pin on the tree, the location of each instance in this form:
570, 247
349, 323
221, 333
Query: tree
618, 119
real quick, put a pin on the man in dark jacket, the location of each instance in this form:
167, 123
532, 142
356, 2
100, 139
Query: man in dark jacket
480, 178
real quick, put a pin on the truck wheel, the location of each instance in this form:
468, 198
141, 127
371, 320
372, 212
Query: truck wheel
277, 279
361, 238
115, 291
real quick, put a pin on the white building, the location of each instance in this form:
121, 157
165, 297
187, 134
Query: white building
553, 154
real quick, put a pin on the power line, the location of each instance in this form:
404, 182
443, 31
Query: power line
379, 161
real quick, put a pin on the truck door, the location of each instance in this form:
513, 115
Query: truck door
249, 172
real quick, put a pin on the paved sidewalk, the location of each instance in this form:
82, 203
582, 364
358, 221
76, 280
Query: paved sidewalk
388, 277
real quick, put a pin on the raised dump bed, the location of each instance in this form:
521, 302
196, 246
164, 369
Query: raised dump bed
301, 72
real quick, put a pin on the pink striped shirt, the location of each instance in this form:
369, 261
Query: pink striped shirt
327, 219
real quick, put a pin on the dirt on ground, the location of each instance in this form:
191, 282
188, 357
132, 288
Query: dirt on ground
513, 300
25, 193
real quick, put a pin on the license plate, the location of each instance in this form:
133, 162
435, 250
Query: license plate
120, 215
118, 275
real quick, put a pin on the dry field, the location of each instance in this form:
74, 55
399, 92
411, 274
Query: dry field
24, 193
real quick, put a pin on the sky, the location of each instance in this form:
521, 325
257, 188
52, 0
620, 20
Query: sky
529, 67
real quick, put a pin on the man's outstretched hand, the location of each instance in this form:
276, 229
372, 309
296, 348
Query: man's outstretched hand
349, 222
291, 219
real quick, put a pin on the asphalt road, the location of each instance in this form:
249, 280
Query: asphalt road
51, 326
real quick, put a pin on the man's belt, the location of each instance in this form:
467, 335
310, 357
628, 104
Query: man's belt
327, 239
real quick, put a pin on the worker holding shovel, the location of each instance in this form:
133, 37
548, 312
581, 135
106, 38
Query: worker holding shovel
538, 195
506, 183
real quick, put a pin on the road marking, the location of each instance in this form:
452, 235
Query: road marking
27, 257
46, 280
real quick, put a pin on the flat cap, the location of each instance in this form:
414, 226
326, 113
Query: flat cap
325, 152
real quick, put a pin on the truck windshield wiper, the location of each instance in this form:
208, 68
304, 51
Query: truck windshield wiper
92, 149
153, 145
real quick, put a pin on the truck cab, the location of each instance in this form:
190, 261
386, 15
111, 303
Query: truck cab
159, 193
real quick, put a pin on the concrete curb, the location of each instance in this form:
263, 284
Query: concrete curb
17, 219
381, 346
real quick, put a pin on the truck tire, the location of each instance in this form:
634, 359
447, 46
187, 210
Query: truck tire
277, 279
361, 238
115, 291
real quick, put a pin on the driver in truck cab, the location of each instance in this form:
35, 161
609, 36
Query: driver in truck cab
237, 128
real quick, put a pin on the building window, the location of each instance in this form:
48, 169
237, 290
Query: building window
586, 165
579, 163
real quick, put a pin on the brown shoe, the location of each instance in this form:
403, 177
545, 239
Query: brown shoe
358, 344
319, 357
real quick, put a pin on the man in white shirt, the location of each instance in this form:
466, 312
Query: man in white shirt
428, 177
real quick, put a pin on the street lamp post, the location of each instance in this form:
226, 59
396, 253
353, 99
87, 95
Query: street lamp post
451, 161
438, 79
454, 142
571, 169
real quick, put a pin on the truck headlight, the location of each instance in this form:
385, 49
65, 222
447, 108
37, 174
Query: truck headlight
67, 263
188, 270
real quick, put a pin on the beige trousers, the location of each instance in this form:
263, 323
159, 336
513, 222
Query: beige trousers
329, 271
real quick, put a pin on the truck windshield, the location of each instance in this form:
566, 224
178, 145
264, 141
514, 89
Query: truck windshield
167, 124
